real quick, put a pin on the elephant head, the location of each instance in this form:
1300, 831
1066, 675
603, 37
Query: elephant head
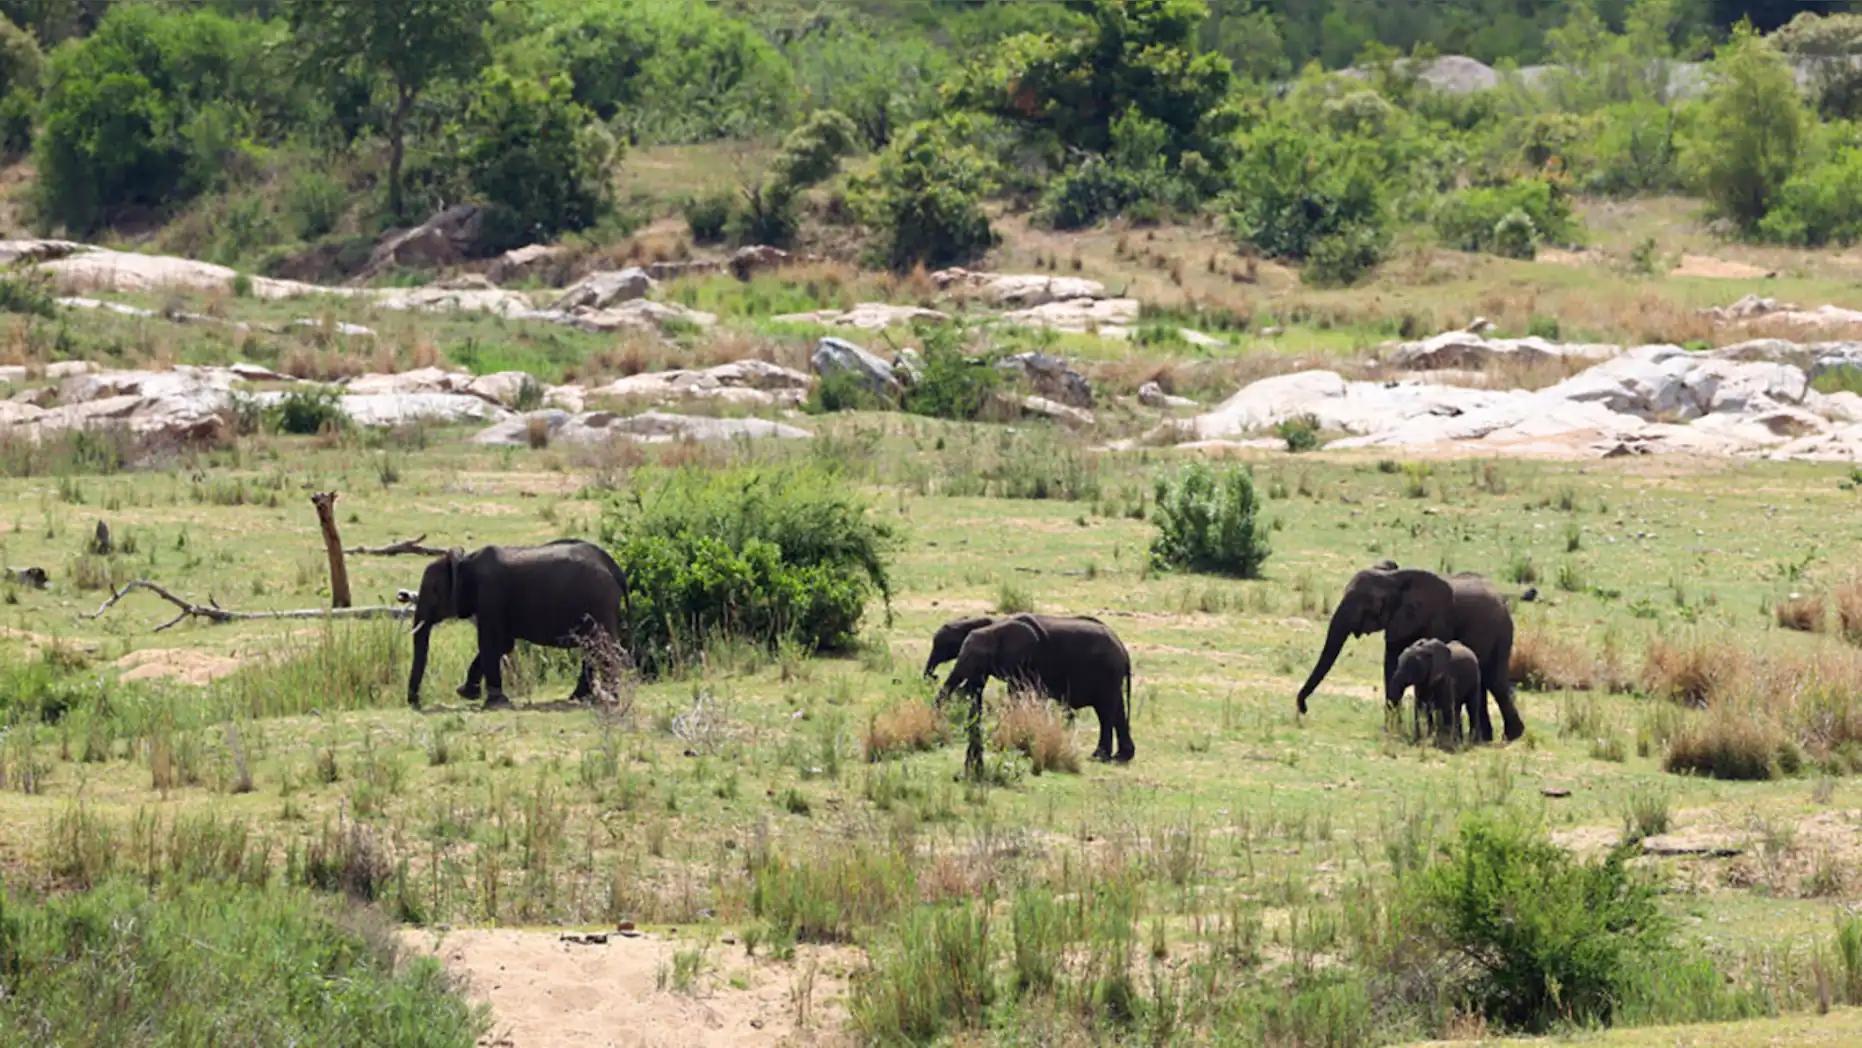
1422, 663
1003, 649
1403, 602
949, 638
447, 591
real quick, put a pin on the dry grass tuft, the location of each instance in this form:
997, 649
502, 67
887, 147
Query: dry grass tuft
1033, 725
1696, 671
537, 431
1542, 662
1804, 612
1848, 598
1730, 743
909, 727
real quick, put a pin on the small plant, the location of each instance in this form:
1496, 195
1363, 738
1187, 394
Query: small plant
1645, 259
1570, 577
1416, 476
308, 411
1521, 569
1011, 599
1207, 522
1300, 433
1645, 814
27, 292
841, 391
952, 384
707, 216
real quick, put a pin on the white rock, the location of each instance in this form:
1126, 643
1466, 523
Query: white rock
739, 382
398, 409
522, 262
1051, 377
608, 288
334, 327
1018, 290
650, 427
1152, 395
1468, 350
867, 316
67, 368
97, 269
1054, 409
503, 388
1350, 407
12, 374
833, 356
419, 380
638, 315
498, 301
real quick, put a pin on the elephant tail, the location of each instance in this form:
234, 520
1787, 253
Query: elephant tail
1128, 697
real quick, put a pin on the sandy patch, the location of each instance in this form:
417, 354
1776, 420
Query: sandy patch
179, 664
1560, 257
547, 992
1718, 268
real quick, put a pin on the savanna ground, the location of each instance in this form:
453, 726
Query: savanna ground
762, 798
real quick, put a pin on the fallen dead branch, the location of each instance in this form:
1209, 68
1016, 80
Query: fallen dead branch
212, 612
405, 547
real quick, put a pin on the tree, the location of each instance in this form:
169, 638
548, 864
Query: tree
410, 43
1751, 128
924, 200
539, 159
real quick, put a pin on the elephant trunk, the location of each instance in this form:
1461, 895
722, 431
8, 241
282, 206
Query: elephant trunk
422, 633
1334, 643
931, 665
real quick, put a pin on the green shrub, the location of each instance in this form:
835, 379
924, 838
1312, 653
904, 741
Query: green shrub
1206, 522
924, 198
1819, 205
1506, 220
1300, 433
22, 68
809, 155
1294, 189
707, 215
288, 968
766, 555
314, 202
952, 385
537, 158
27, 292
1750, 131
306, 411
1844, 379
935, 973
1343, 259
841, 391
1531, 936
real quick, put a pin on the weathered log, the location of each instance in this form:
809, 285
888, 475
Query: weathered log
212, 612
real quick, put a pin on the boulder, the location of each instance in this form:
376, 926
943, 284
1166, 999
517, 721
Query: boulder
1349, 407
835, 356
59, 369
908, 367
638, 315
499, 301
1465, 349
1152, 395
1754, 308
504, 388
1066, 414
178, 381
447, 238
419, 380
32, 251
12, 374
867, 316
686, 267
608, 288
398, 409
257, 373
1050, 377
755, 257
651, 427
570, 398
332, 327
533, 261
97, 269
1112, 317
751, 382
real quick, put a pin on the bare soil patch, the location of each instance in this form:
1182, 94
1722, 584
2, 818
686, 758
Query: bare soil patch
179, 664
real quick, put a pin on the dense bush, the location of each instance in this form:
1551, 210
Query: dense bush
882, 82
22, 66
211, 964
1819, 205
1530, 935
924, 200
809, 154
151, 109
1506, 220
768, 555
952, 385
1206, 521
706, 215
1134, 171
1295, 191
538, 160
666, 70
1750, 131
307, 411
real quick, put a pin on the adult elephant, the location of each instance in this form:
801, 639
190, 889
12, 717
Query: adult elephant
1076, 661
1409, 605
948, 639
563, 594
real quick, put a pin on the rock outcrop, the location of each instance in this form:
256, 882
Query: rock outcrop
1050, 377
750, 382
651, 427
837, 356
598, 291
866, 316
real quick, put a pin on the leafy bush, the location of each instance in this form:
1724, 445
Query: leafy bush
22, 67
952, 384
537, 158
289, 968
1750, 130
1206, 522
1134, 171
1506, 220
809, 155
1300, 433
1343, 259
924, 199
1819, 205
314, 201
27, 292
1530, 935
308, 411
767, 555
1295, 190
841, 391
706, 216
152, 108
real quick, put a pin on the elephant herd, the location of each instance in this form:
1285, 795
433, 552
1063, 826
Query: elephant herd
1448, 638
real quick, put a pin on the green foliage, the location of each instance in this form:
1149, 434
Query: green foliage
307, 411
883, 81
1345, 258
1132, 172
1300, 433
27, 292
1532, 936
767, 555
666, 70
924, 198
1507, 220
1295, 190
934, 974
1820, 204
809, 155
314, 201
537, 158
22, 67
706, 216
1833, 42
1206, 521
152, 108
1750, 131
841, 391
288, 968
406, 45
952, 384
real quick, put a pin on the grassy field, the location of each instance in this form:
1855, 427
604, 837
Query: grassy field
738, 798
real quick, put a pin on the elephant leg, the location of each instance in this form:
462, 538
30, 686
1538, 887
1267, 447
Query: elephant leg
1393, 695
1103, 751
492, 646
470, 689
1501, 687
973, 752
1121, 727
584, 682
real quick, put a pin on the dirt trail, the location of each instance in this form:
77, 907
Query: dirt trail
547, 993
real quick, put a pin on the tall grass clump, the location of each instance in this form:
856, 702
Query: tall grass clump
758, 554
908, 727
193, 965
1848, 597
935, 976
1207, 522
1694, 671
1031, 724
1528, 936
831, 895
1543, 662
307, 412
1801, 611
345, 666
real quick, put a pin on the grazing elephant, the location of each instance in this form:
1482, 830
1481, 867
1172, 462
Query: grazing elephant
1447, 679
1410, 605
559, 594
948, 639
1078, 662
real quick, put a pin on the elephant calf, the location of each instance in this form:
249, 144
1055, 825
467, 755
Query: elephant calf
1447, 679
564, 594
1077, 661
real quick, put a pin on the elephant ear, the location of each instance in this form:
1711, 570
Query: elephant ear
465, 584
1423, 600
